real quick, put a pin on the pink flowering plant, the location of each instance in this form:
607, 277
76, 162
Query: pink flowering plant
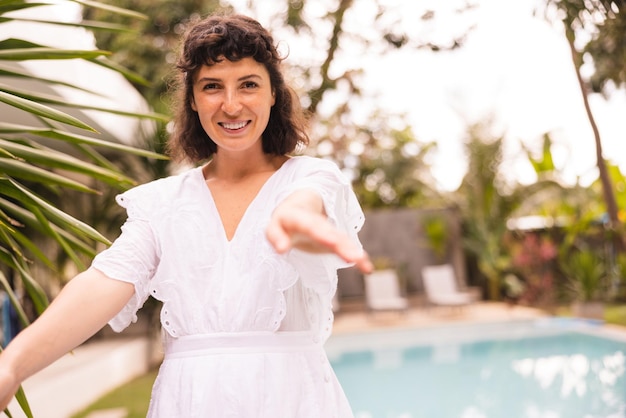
533, 259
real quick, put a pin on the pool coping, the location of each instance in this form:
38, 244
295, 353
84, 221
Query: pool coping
464, 330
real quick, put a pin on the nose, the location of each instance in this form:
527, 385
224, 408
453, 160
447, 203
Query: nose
231, 104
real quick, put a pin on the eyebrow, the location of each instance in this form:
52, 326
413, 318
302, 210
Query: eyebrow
244, 78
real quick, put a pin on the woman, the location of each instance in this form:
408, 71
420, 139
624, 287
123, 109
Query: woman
242, 249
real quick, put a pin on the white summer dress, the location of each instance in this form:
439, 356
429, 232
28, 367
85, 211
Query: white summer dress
244, 327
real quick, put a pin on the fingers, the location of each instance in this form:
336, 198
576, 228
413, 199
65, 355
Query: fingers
314, 233
278, 237
364, 263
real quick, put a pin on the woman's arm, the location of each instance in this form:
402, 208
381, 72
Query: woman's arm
82, 308
299, 221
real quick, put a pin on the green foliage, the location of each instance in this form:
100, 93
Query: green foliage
544, 164
585, 269
485, 208
393, 172
134, 397
42, 161
604, 25
488, 203
436, 230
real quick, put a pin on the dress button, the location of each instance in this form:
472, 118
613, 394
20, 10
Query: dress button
316, 339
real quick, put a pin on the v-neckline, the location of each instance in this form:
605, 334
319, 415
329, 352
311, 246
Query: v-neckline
244, 217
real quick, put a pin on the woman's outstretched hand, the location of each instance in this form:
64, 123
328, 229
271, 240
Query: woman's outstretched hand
299, 222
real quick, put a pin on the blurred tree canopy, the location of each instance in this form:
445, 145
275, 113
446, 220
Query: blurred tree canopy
596, 29
605, 21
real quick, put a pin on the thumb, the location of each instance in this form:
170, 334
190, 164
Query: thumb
278, 237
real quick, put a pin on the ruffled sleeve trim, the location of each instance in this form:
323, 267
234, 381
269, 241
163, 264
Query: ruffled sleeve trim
134, 255
343, 210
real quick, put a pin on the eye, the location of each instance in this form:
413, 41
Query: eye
210, 86
249, 85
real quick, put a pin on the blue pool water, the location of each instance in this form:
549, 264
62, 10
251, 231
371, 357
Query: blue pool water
526, 370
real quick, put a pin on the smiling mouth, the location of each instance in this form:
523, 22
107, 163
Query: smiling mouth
234, 125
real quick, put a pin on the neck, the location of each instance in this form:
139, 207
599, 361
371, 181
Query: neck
228, 167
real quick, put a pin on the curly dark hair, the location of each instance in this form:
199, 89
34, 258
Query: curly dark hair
232, 37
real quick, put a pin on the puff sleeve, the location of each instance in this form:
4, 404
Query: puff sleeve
133, 257
319, 272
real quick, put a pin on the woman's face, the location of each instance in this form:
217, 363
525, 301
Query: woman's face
233, 100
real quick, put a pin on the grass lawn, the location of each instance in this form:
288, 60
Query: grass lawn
134, 396
616, 314
613, 314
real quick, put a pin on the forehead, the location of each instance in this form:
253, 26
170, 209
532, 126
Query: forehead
226, 69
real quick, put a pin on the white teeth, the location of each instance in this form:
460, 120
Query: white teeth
237, 125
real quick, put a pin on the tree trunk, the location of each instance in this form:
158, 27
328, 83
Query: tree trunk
605, 179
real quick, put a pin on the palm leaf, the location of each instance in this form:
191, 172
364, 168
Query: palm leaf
6, 72
44, 53
130, 75
113, 9
44, 98
23, 402
43, 221
7, 259
13, 5
43, 111
19, 44
29, 220
59, 217
7, 128
25, 159
86, 24
30, 246
54, 159
27, 171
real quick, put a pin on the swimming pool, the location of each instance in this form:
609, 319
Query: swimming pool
528, 369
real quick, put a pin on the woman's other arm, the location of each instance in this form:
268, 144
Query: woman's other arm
82, 308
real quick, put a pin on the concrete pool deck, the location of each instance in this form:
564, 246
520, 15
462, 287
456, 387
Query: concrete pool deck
354, 317
77, 380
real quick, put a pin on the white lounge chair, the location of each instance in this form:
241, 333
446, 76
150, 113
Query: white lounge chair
382, 292
441, 287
